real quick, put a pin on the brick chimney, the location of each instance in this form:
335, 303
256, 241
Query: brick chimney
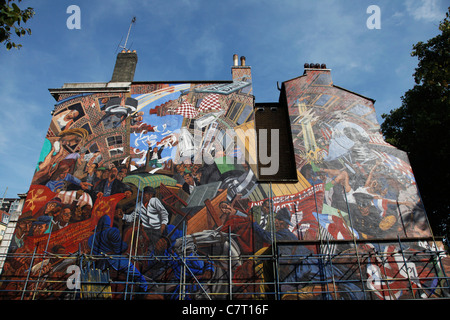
320, 73
242, 71
125, 66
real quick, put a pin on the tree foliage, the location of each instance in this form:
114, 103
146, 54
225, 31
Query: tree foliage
421, 126
11, 16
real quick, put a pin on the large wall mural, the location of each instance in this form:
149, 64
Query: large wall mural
364, 191
154, 193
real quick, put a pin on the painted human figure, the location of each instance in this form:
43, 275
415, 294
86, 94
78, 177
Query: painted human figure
107, 240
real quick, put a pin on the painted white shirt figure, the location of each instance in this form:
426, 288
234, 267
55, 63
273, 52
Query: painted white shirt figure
153, 215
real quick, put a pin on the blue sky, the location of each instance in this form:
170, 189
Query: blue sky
195, 40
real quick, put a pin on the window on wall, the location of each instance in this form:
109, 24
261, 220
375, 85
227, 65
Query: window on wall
239, 113
191, 125
14, 206
5, 218
233, 111
245, 114
115, 152
114, 140
87, 127
68, 116
93, 148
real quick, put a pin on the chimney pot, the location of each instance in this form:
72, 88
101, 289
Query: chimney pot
242, 61
235, 60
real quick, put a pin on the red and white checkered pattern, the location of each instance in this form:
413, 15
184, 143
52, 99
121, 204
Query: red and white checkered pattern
187, 110
210, 102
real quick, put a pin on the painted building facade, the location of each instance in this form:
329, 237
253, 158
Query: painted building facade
154, 190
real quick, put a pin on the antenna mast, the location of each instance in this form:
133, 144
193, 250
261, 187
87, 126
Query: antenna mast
129, 29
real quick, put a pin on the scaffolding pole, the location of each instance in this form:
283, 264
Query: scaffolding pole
356, 246
274, 246
230, 271
42, 263
132, 234
28, 273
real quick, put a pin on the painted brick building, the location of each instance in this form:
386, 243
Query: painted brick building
191, 190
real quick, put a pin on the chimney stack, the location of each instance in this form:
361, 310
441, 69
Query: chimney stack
125, 66
241, 71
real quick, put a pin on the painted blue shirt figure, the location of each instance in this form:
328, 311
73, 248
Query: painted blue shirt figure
195, 266
61, 177
282, 221
107, 240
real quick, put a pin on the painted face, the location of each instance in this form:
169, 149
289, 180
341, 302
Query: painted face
266, 207
146, 197
86, 211
105, 174
50, 208
364, 209
189, 180
91, 168
113, 174
63, 174
226, 208
70, 141
25, 226
66, 215
73, 114
280, 224
39, 229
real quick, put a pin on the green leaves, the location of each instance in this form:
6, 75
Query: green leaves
434, 58
11, 17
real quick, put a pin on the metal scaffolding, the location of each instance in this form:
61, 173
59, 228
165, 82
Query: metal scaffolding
275, 275
209, 269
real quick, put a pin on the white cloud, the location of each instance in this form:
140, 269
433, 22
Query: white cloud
427, 10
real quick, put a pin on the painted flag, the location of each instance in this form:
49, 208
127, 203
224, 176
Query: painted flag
210, 102
391, 277
381, 205
75, 233
187, 110
335, 226
37, 197
397, 165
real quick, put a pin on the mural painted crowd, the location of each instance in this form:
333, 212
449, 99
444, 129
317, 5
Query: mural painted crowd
119, 192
